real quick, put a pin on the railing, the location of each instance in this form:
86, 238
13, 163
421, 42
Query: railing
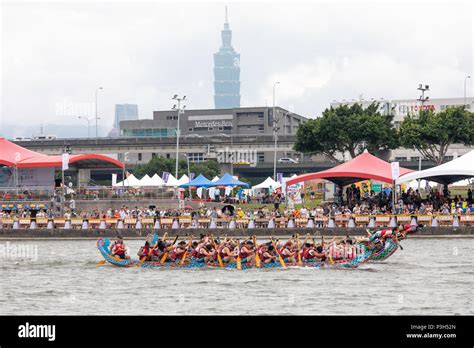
84, 193
369, 221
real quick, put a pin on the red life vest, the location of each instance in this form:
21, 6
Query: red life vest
146, 251
119, 249
222, 254
244, 254
175, 254
384, 232
307, 255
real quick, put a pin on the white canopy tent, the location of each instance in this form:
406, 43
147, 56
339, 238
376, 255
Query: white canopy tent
156, 180
215, 179
446, 173
172, 181
146, 181
130, 181
267, 184
414, 184
183, 180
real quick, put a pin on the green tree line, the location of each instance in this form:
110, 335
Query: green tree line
161, 164
350, 129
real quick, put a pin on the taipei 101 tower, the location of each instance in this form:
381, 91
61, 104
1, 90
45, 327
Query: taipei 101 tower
226, 72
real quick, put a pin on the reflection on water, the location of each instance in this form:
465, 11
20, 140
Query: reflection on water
430, 276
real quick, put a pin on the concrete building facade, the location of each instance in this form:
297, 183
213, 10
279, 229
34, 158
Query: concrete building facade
208, 125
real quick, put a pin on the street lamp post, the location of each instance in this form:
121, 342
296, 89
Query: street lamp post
180, 111
275, 130
465, 81
189, 176
422, 98
96, 118
88, 124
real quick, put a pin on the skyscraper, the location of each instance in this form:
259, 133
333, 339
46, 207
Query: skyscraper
226, 72
125, 112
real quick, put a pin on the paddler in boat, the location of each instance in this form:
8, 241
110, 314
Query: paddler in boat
207, 253
289, 252
178, 251
311, 253
145, 252
227, 252
118, 248
158, 252
267, 253
247, 253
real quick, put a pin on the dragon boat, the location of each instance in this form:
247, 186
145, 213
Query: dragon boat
388, 250
365, 254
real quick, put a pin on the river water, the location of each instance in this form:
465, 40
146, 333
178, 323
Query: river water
430, 276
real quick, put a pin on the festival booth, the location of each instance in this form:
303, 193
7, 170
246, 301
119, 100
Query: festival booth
268, 185
20, 167
199, 183
447, 173
228, 180
130, 181
171, 181
183, 180
363, 167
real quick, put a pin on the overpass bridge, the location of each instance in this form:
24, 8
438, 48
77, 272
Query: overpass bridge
130, 150
158, 145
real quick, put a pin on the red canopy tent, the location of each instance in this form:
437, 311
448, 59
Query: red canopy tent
362, 167
12, 154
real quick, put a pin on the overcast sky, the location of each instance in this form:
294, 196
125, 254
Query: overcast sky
55, 54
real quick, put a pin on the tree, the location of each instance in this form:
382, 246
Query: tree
432, 133
346, 129
161, 164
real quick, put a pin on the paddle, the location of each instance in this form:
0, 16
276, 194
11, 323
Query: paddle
165, 255
101, 262
282, 263
219, 258
143, 259
239, 261
186, 251
298, 248
257, 257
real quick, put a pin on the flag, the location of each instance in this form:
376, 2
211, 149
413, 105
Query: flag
395, 170
280, 178
191, 176
165, 177
65, 161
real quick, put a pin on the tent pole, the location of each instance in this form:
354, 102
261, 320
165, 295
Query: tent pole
63, 198
394, 197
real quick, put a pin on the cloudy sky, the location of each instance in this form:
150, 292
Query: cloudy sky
55, 54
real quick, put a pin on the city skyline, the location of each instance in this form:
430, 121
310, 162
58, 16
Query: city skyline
324, 52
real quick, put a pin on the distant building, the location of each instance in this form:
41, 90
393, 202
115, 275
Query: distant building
209, 125
226, 72
402, 107
123, 112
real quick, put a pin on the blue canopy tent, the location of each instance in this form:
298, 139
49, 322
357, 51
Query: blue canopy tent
200, 181
229, 180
